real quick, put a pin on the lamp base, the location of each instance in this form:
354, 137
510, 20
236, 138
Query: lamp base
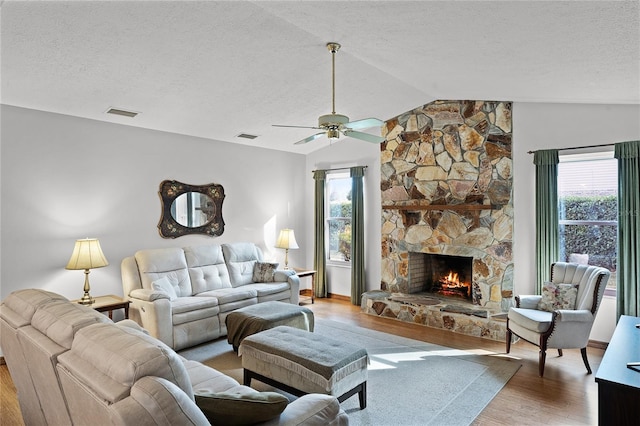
86, 300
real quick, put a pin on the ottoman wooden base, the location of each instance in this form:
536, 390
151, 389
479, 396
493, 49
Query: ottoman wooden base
263, 316
301, 362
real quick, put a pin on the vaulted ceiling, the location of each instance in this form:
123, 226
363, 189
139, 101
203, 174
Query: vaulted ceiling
216, 69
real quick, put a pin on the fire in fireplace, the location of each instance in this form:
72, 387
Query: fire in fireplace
449, 276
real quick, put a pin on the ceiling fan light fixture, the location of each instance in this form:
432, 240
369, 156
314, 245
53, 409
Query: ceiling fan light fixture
335, 124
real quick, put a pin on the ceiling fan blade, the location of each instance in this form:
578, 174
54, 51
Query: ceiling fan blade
365, 123
363, 136
297, 127
310, 138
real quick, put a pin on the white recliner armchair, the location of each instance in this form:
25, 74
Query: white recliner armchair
563, 315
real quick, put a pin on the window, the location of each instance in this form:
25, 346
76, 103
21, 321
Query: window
588, 210
338, 217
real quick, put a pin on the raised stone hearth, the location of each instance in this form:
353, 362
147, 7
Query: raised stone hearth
438, 313
446, 181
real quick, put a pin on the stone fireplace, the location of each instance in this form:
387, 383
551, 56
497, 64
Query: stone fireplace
446, 181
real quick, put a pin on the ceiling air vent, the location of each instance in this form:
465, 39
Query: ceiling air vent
122, 112
246, 136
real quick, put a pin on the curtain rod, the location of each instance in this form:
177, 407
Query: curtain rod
338, 168
577, 147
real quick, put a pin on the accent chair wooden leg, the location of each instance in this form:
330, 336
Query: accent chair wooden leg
583, 351
541, 359
362, 396
543, 355
509, 334
559, 352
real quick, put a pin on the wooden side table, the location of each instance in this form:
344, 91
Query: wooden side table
110, 303
302, 272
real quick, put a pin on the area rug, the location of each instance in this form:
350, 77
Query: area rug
410, 382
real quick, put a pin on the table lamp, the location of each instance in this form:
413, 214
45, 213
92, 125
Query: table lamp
286, 241
86, 255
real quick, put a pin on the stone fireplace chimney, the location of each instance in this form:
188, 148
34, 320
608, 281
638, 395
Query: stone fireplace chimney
446, 181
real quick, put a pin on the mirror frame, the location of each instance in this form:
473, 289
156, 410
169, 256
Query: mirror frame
172, 189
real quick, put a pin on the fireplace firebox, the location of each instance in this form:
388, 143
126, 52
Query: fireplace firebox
442, 275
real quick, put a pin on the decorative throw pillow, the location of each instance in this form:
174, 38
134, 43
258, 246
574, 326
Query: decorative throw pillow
558, 296
263, 272
235, 408
164, 285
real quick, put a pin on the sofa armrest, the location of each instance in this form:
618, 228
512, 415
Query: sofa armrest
574, 315
294, 284
281, 275
312, 409
152, 310
528, 301
148, 295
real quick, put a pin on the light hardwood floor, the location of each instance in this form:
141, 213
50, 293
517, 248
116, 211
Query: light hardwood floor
565, 396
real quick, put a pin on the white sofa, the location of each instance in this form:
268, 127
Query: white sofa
73, 365
210, 281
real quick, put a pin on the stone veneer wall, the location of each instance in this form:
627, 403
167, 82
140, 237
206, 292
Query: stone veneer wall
446, 181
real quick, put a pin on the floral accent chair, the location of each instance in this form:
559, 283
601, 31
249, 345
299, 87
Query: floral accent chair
562, 316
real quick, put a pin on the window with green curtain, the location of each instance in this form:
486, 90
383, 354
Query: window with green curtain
628, 287
357, 235
546, 162
319, 260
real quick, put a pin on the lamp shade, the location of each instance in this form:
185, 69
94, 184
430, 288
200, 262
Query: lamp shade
287, 240
87, 254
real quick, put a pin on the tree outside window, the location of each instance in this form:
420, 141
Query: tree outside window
338, 202
588, 211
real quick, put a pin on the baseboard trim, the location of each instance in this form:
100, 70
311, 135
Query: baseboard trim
340, 297
307, 292
597, 344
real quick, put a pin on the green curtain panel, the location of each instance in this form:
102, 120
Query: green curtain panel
628, 294
319, 256
547, 236
357, 235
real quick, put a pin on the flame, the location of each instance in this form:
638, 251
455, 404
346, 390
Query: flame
452, 281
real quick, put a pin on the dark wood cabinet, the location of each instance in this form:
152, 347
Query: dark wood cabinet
619, 385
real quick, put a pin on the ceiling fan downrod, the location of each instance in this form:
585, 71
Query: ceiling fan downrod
333, 48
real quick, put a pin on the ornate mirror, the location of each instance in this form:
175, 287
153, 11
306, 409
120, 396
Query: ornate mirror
190, 209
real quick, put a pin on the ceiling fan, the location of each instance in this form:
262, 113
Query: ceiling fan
332, 125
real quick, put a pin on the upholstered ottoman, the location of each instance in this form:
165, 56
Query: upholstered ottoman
263, 316
301, 362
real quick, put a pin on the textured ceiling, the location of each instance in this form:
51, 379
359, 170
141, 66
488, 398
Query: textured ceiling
217, 69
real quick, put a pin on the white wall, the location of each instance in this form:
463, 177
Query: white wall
65, 178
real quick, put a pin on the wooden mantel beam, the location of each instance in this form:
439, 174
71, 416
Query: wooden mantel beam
458, 207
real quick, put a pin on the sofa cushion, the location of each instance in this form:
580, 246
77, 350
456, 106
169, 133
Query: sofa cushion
240, 258
163, 284
207, 268
61, 320
168, 262
242, 407
229, 295
265, 289
193, 308
111, 359
26, 302
263, 272
192, 303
